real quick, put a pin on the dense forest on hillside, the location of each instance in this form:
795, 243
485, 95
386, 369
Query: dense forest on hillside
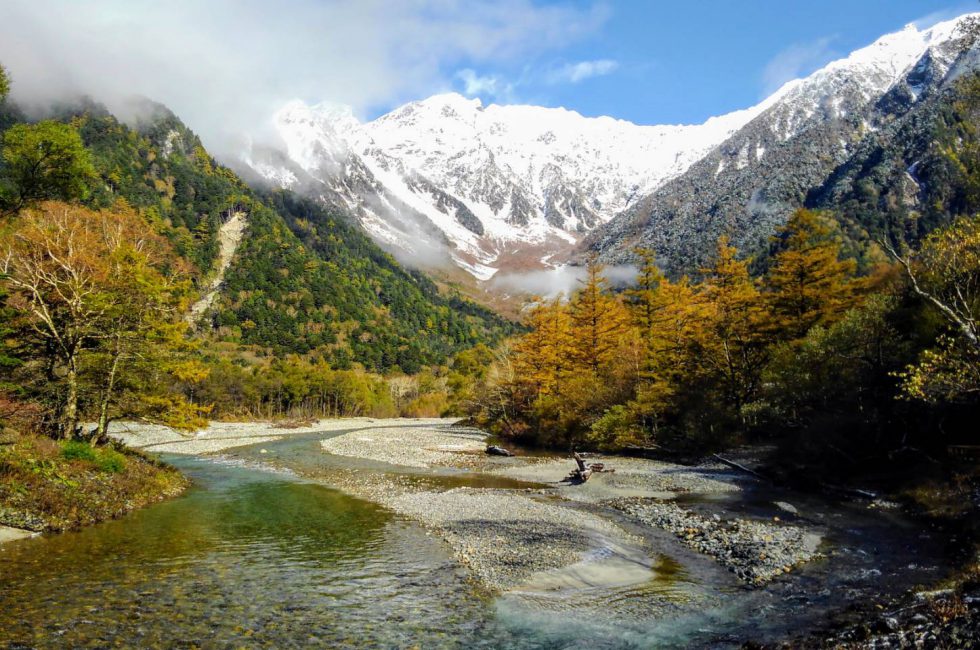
911, 177
316, 272
309, 311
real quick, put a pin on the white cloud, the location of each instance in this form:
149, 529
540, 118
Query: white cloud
563, 280
224, 66
475, 84
576, 72
796, 61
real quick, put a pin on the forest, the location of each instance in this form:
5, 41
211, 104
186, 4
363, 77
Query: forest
851, 342
827, 362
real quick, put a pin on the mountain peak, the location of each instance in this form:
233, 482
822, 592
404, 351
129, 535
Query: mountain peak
498, 183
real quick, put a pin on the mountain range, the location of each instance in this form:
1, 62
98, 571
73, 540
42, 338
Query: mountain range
498, 189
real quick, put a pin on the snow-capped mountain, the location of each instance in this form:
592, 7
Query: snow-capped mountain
489, 185
749, 184
511, 187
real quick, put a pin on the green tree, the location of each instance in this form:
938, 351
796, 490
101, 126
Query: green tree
42, 161
945, 273
4, 84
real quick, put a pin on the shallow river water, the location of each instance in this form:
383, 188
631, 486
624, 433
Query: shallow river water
256, 558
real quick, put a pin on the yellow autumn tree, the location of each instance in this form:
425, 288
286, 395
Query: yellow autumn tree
662, 313
808, 283
729, 343
542, 357
99, 301
599, 323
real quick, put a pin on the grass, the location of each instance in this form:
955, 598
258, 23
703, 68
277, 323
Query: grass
49, 486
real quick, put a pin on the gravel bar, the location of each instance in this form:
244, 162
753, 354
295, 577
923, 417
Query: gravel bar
755, 551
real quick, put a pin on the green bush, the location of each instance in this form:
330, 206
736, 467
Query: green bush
75, 450
111, 461
616, 429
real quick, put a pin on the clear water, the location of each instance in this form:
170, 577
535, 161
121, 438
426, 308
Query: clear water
252, 558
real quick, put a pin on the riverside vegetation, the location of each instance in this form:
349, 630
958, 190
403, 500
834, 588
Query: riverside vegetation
851, 342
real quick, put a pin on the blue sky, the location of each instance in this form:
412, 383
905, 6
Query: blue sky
226, 66
682, 62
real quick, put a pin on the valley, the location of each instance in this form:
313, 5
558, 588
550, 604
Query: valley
525, 324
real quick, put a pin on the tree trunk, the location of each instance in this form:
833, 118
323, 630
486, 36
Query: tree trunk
69, 413
102, 429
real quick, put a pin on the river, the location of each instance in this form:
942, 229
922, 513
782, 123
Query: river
262, 557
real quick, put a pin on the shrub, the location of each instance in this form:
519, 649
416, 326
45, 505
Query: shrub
111, 461
75, 450
616, 429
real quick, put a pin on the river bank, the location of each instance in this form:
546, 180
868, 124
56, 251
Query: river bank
50, 486
506, 536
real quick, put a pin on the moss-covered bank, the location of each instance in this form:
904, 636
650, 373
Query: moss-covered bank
53, 486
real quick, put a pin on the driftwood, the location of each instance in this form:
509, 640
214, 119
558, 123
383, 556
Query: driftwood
583, 471
850, 492
741, 468
494, 450
639, 450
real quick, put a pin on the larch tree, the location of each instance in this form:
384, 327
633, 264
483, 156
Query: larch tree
730, 343
599, 322
656, 306
808, 283
542, 355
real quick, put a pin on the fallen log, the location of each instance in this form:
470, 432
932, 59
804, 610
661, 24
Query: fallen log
742, 468
494, 450
849, 491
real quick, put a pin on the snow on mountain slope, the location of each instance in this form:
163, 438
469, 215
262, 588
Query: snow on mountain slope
749, 184
512, 187
485, 183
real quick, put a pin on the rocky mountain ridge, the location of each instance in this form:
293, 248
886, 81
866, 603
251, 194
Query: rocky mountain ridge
515, 188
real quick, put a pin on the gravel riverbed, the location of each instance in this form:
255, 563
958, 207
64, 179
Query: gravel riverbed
755, 551
508, 536
505, 536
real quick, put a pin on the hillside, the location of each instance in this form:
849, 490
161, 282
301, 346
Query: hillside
303, 280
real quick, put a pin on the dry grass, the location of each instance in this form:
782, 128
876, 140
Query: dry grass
949, 609
43, 488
